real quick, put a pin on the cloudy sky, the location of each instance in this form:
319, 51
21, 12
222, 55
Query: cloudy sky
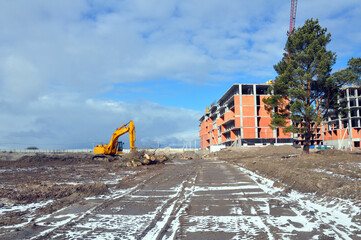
71, 72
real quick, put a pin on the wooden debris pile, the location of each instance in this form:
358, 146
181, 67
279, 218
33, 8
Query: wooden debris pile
142, 158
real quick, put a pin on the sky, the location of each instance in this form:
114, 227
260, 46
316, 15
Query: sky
71, 72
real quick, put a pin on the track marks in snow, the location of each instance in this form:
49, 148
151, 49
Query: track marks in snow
333, 218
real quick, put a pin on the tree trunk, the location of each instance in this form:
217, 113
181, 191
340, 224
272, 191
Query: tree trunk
306, 146
308, 135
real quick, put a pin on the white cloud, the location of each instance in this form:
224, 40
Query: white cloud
19, 80
88, 49
341, 18
68, 122
57, 57
89, 45
177, 139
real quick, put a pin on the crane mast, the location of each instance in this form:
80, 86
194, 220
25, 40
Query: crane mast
293, 15
292, 21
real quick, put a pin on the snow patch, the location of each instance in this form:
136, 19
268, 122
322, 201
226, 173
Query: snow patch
225, 188
337, 214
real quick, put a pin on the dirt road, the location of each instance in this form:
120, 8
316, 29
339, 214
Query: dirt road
197, 199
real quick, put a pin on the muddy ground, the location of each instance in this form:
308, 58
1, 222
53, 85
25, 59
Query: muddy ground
59, 179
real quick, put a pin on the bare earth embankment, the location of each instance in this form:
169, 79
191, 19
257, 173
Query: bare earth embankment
325, 172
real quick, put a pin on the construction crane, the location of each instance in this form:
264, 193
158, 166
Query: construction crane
292, 21
293, 15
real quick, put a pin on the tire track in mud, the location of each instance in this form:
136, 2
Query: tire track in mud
227, 204
196, 199
144, 212
221, 200
158, 230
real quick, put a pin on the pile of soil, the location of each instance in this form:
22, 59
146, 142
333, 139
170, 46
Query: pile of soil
31, 193
188, 155
41, 159
64, 194
278, 150
255, 152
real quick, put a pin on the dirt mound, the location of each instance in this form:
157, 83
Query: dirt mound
332, 152
276, 150
30, 193
255, 152
226, 154
39, 159
188, 155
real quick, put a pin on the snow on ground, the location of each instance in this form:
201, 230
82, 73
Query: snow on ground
337, 213
30, 208
308, 211
335, 174
358, 165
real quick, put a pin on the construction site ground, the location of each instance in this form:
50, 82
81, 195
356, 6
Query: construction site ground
272, 192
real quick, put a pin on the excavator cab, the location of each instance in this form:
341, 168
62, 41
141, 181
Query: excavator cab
120, 146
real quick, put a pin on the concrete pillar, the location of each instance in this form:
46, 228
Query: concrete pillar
241, 110
255, 110
349, 116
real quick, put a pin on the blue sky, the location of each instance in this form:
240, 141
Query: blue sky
73, 71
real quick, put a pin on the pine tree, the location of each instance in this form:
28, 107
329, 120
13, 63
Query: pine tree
305, 90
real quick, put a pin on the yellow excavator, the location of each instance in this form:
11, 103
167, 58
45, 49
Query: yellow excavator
114, 147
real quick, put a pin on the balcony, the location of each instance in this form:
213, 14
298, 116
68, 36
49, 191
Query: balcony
228, 121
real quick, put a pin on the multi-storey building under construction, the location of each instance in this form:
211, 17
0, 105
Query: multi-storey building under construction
344, 130
239, 118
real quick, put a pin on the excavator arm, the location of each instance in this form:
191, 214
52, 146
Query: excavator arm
111, 148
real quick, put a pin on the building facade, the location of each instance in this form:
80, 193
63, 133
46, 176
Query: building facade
239, 118
344, 131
